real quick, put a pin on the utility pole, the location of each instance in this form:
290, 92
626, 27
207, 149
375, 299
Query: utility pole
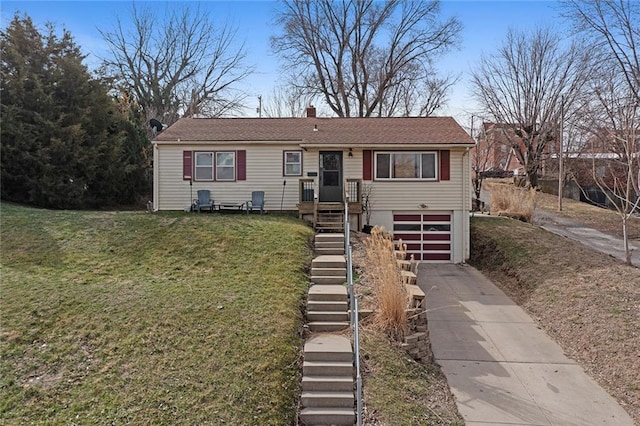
561, 156
259, 109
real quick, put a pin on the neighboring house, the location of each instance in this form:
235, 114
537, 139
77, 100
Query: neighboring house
494, 150
418, 170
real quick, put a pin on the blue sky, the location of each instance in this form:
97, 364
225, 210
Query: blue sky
485, 26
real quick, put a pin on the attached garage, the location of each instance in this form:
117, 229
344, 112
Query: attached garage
427, 236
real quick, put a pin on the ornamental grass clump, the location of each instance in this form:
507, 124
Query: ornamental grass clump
390, 296
517, 203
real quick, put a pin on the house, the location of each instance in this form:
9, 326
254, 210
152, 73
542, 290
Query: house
494, 151
417, 170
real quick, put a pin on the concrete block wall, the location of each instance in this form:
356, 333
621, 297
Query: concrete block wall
416, 341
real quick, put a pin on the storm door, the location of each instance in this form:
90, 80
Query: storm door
330, 176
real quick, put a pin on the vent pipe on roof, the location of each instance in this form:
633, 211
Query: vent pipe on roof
311, 111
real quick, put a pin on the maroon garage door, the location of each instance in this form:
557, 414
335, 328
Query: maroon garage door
427, 236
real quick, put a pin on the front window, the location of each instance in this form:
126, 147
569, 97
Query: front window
406, 165
293, 163
204, 166
225, 165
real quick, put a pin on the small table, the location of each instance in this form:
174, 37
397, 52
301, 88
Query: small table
230, 206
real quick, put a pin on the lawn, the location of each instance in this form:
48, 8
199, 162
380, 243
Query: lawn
166, 318
587, 301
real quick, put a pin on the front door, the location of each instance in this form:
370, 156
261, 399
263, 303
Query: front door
330, 176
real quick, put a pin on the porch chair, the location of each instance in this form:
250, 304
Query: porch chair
257, 202
204, 201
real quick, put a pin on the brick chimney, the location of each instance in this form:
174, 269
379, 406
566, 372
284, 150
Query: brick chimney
311, 111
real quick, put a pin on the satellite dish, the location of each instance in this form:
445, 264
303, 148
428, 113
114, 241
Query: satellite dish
156, 125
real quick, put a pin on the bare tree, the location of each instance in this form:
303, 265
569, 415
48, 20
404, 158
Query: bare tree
612, 118
176, 63
359, 54
416, 94
526, 84
287, 101
612, 26
612, 114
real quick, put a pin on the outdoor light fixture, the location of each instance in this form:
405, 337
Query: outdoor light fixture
350, 152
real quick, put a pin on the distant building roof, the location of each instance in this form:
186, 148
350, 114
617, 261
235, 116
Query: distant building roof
319, 131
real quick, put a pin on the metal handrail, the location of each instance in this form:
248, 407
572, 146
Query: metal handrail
354, 310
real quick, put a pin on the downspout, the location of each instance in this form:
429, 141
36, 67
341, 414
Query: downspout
466, 202
156, 190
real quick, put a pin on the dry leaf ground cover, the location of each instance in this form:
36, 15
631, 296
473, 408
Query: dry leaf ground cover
587, 301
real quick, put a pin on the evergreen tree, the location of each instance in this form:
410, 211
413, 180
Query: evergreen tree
65, 144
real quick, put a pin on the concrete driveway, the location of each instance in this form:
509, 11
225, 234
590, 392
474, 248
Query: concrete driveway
501, 367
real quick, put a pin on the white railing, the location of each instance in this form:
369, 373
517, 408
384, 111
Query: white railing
354, 312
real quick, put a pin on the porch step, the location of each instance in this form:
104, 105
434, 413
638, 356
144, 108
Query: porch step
328, 347
328, 399
327, 316
327, 383
327, 293
328, 279
329, 226
329, 244
335, 272
329, 261
327, 306
329, 251
327, 326
330, 237
327, 416
327, 368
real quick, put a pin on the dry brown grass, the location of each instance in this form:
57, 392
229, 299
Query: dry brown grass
511, 201
385, 280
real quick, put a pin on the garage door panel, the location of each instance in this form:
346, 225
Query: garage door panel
407, 227
436, 218
432, 227
406, 218
436, 256
407, 237
436, 237
427, 236
436, 247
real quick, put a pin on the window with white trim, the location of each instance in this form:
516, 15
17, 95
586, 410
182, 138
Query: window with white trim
225, 166
292, 163
406, 165
203, 166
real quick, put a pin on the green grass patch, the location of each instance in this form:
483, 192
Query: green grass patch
167, 318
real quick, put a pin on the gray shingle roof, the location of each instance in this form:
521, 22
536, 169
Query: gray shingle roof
330, 131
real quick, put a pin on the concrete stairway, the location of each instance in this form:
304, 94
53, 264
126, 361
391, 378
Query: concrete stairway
327, 382
327, 308
329, 243
327, 302
329, 269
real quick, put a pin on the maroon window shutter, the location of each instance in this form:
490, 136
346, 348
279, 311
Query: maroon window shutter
187, 165
241, 159
445, 166
367, 164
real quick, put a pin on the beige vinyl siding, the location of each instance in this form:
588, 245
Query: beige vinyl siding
264, 172
410, 195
